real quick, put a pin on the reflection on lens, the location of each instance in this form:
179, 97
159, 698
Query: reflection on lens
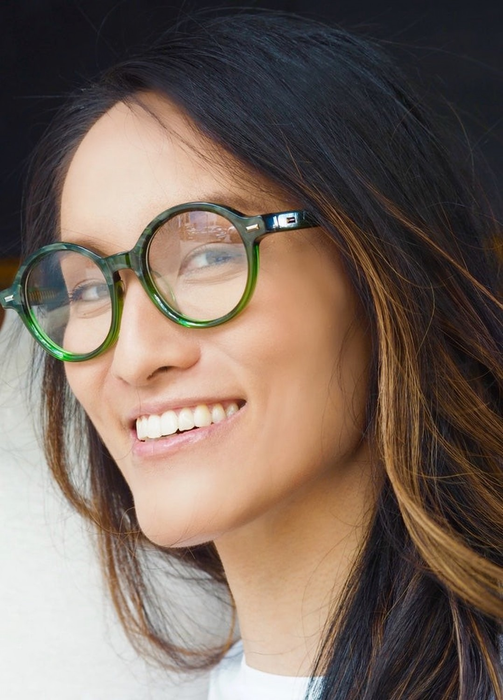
70, 301
198, 264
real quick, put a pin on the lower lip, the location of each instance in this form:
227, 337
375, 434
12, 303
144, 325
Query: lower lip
171, 444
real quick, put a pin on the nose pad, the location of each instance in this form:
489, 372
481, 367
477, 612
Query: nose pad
119, 292
120, 289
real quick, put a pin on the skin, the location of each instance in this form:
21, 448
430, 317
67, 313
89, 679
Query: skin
284, 487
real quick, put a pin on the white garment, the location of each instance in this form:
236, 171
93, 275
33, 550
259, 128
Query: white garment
233, 679
59, 637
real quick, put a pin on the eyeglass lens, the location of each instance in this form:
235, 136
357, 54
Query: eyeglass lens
70, 300
196, 261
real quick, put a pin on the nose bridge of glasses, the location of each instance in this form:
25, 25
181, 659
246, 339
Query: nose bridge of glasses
129, 260
123, 261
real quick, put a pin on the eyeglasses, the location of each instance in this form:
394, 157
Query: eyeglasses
198, 263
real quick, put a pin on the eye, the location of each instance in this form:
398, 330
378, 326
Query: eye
89, 291
214, 257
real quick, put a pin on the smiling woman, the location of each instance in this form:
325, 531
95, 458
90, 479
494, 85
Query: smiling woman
283, 356
188, 488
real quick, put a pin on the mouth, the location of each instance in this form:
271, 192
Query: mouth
189, 418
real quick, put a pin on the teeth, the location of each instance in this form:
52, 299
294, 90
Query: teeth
231, 409
169, 423
186, 419
141, 427
217, 413
154, 426
202, 416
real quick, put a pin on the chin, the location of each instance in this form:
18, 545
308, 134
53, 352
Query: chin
167, 536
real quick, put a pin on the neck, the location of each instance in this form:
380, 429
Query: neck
287, 569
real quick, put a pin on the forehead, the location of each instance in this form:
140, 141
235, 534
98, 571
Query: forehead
136, 162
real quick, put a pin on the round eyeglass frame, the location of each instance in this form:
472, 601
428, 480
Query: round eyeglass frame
251, 229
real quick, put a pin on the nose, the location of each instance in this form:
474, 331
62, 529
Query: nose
149, 343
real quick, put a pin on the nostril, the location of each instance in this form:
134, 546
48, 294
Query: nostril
159, 370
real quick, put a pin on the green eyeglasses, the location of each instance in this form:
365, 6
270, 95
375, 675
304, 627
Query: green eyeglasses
198, 263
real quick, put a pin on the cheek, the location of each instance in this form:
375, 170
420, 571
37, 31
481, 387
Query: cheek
317, 393
86, 381
90, 383
305, 356
310, 330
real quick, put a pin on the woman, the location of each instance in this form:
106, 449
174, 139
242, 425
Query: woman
326, 447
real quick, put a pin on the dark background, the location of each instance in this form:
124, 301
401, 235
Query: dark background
48, 47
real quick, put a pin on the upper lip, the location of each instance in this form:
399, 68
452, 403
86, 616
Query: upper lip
149, 408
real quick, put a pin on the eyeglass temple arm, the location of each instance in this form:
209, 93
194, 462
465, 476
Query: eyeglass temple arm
288, 221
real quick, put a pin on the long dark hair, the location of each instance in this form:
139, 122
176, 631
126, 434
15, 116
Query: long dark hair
326, 117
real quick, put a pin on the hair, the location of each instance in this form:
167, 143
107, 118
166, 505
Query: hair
325, 116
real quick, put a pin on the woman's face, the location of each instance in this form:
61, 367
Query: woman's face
294, 362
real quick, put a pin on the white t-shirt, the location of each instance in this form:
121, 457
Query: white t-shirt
233, 679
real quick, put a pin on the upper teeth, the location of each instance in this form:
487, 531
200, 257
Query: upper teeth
168, 423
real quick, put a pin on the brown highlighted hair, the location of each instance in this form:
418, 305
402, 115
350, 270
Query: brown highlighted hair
328, 118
